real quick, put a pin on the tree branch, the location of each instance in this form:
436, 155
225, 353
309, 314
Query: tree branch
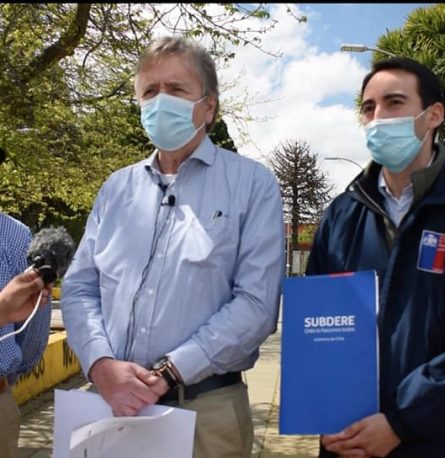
89, 100
65, 46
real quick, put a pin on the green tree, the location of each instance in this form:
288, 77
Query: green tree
68, 116
304, 187
220, 135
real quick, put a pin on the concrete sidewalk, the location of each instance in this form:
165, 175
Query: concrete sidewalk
264, 392
263, 381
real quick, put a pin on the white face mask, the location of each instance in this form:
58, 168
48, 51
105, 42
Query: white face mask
393, 141
168, 121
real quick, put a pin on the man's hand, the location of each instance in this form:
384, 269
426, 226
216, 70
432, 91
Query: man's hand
157, 384
19, 297
369, 437
125, 386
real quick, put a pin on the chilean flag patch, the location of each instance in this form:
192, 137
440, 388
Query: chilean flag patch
432, 252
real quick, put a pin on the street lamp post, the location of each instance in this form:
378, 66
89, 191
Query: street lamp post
344, 159
288, 249
363, 48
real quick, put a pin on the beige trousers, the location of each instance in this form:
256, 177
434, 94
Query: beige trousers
224, 426
9, 426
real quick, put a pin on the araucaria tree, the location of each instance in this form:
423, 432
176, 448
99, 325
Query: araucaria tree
304, 186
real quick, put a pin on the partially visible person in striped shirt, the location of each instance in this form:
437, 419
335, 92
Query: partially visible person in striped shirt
18, 353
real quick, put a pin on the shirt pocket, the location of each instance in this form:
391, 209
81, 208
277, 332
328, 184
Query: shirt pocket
209, 242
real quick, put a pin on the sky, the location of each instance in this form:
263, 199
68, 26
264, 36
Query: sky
308, 93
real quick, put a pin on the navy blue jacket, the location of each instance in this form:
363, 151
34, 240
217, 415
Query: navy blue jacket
356, 234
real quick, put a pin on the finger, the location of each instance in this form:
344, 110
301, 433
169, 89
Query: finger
141, 373
341, 447
147, 377
126, 403
143, 393
125, 411
29, 275
160, 387
36, 285
27, 286
151, 379
45, 297
328, 439
347, 433
353, 429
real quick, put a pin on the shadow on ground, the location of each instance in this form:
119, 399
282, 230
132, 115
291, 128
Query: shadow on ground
37, 414
272, 351
276, 446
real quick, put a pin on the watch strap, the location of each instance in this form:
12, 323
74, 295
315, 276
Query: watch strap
167, 370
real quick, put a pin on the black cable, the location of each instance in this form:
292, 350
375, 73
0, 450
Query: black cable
131, 323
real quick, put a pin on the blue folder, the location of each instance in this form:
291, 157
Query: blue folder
329, 355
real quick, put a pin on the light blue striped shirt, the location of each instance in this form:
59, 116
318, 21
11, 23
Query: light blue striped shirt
19, 353
396, 208
198, 279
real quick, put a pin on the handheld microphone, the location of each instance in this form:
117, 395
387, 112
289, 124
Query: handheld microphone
50, 253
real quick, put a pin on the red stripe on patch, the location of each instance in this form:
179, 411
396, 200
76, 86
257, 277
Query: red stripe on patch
438, 263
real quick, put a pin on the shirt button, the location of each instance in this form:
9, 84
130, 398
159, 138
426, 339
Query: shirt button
143, 330
159, 255
150, 292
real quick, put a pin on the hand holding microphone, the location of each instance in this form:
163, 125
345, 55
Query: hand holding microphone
49, 255
18, 297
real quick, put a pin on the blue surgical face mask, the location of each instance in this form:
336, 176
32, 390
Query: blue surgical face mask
393, 141
168, 121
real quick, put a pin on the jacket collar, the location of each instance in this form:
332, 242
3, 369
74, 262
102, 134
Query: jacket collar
423, 180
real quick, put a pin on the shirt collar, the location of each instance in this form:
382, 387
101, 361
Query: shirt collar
383, 187
205, 152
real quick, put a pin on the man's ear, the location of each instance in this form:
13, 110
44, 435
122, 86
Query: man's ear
435, 115
210, 104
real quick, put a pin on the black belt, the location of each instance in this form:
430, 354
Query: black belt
211, 383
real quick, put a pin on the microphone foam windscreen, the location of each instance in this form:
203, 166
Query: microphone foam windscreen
51, 249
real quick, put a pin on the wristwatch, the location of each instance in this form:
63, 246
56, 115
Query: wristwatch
164, 367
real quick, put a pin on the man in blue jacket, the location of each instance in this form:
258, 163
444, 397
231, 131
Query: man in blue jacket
392, 219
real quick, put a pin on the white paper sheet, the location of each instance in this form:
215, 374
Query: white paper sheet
84, 427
